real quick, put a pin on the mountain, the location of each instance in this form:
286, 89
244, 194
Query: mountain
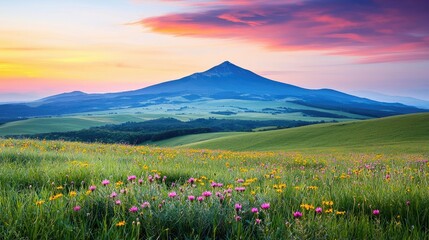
225, 81
394, 99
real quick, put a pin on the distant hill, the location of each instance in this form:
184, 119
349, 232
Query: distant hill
404, 131
225, 81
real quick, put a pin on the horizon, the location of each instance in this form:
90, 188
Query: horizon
114, 46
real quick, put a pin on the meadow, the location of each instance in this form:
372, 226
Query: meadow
62, 190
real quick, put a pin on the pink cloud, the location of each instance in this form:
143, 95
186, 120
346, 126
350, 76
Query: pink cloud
371, 31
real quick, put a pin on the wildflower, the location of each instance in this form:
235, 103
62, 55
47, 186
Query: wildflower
76, 208
145, 205
340, 212
330, 210
240, 180
237, 207
407, 203
72, 194
118, 202
191, 180
240, 189
172, 194
131, 178
318, 210
140, 181
133, 209
92, 188
207, 194
119, 183
60, 188
307, 206
258, 221
120, 224
113, 194
105, 182
297, 214
55, 197
255, 210
376, 212
40, 202
200, 198
237, 218
191, 198
328, 203
265, 206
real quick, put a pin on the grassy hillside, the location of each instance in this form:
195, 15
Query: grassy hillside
405, 131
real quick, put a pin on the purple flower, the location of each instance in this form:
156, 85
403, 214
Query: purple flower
92, 188
191, 198
113, 194
237, 207
132, 178
240, 189
255, 210
207, 194
407, 203
172, 194
258, 221
200, 198
318, 210
140, 181
191, 180
297, 214
237, 218
76, 208
145, 205
265, 206
105, 182
240, 180
118, 202
376, 212
133, 209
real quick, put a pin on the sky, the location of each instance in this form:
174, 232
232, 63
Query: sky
49, 46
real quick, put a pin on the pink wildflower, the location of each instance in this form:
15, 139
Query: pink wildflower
172, 194
105, 182
133, 209
318, 210
240, 189
76, 208
240, 180
376, 212
255, 210
265, 206
145, 205
132, 178
92, 188
113, 194
191, 198
237, 218
200, 198
297, 214
207, 194
258, 221
237, 207
118, 202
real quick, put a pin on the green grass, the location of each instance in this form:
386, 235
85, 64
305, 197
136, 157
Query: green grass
184, 140
42, 182
400, 133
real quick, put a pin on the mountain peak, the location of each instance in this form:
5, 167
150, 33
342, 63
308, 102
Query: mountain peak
224, 69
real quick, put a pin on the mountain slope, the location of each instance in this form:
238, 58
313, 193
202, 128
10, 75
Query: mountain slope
406, 129
225, 81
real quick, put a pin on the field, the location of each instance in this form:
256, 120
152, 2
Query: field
405, 133
241, 109
60, 190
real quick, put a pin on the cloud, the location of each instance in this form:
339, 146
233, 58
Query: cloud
372, 31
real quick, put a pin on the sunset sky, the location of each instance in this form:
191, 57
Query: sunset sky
51, 46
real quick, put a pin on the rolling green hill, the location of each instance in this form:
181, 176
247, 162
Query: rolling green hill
406, 131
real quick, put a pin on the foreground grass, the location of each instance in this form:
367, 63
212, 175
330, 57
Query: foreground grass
55, 190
